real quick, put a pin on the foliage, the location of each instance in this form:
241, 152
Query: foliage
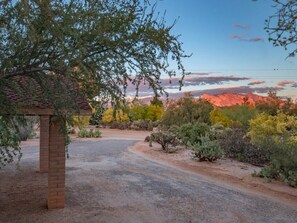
233, 115
277, 127
140, 111
281, 26
119, 125
81, 121
84, 133
218, 117
191, 134
146, 125
237, 145
26, 127
97, 44
207, 149
187, 110
166, 139
111, 115
9, 141
283, 165
97, 112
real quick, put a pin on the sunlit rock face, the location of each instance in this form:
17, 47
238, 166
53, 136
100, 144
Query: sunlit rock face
227, 100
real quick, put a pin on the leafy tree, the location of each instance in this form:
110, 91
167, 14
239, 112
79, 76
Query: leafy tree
240, 114
117, 115
281, 26
266, 127
218, 117
187, 110
98, 44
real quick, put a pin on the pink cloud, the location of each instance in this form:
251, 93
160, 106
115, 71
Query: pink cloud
200, 73
233, 90
240, 37
285, 82
241, 26
243, 38
256, 82
255, 39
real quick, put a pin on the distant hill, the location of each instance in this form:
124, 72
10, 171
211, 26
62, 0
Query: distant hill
227, 100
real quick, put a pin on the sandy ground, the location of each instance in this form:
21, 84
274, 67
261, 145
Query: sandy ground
113, 179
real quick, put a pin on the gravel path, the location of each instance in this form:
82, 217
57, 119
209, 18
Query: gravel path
107, 183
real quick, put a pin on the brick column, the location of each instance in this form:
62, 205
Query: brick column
56, 171
44, 143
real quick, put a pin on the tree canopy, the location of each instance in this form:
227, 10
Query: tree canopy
103, 45
282, 26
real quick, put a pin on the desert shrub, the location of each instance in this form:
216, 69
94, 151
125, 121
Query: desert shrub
119, 125
190, 134
187, 110
111, 115
84, 133
218, 117
143, 125
276, 127
283, 165
141, 111
166, 139
237, 145
81, 121
207, 149
239, 114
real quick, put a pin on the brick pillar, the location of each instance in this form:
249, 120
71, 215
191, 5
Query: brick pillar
44, 143
56, 171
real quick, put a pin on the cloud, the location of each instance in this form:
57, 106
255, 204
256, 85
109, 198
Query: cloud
200, 73
256, 82
243, 38
194, 81
240, 37
285, 82
255, 39
241, 26
233, 90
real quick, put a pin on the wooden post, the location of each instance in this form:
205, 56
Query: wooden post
56, 171
44, 143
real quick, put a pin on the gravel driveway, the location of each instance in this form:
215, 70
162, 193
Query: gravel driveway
107, 183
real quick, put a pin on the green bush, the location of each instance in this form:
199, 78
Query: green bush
147, 125
207, 150
166, 139
191, 134
237, 145
120, 125
283, 165
186, 110
89, 134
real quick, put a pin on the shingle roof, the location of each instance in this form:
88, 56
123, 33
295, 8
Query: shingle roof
44, 92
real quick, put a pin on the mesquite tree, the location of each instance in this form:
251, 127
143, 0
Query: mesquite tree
282, 26
103, 45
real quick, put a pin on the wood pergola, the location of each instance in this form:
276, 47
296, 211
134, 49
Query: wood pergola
52, 140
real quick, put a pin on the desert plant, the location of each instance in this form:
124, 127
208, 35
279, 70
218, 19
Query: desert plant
237, 145
190, 134
84, 133
166, 139
187, 110
283, 164
207, 150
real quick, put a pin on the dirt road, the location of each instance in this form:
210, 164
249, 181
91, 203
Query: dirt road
105, 182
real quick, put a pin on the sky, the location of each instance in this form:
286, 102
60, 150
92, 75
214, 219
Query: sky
230, 48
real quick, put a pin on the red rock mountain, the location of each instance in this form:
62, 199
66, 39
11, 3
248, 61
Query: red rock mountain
226, 100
